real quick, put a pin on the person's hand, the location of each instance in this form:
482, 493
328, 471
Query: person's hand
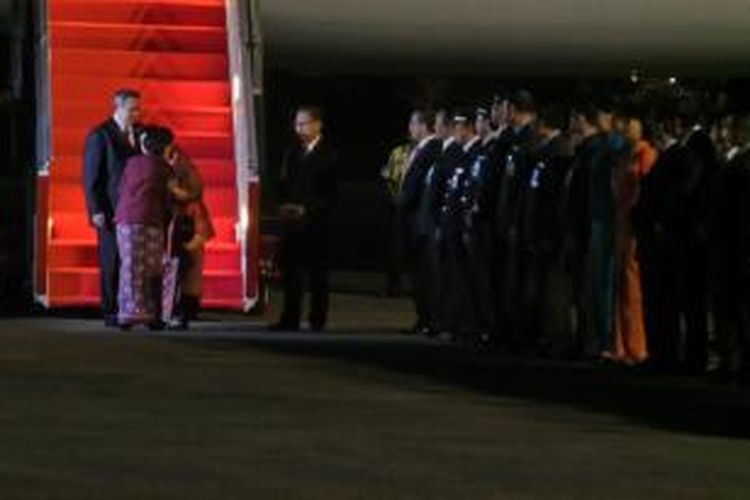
292, 212
180, 193
192, 246
173, 156
99, 221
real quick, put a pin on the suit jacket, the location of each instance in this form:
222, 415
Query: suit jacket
516, 171
541, 229
445, 165
105, 154
311, 179
413, 187
574, 216
697, 171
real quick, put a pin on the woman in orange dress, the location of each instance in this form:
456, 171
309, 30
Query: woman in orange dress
629, 328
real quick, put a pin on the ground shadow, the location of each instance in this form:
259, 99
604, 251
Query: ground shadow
680, 404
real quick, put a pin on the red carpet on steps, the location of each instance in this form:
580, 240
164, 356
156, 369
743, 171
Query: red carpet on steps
175, 53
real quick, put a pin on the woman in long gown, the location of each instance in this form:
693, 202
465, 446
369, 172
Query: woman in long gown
629, 328
140, 216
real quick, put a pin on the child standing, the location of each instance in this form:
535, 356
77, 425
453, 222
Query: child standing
191, 229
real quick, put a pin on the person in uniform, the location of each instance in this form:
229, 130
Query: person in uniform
541, 236
417, 222
308, 189
517, 165
680, 222
464, 239
108, 148
575, 223
650, 221
689, 251
730, 254
722, 226
441, 194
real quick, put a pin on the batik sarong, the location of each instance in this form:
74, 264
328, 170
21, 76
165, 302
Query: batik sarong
141, 251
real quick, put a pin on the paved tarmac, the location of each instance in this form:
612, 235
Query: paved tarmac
230, 411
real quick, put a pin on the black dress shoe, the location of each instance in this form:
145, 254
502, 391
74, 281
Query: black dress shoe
111, 322
283, 327
157, 326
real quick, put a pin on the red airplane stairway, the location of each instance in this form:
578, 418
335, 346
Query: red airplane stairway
175, 52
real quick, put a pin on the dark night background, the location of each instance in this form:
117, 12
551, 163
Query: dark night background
16, 153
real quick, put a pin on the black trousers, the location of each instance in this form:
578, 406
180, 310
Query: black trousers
536, 298
509, 291
109, 270
730, 305
304, 252
684, 298
422, 267
466, 287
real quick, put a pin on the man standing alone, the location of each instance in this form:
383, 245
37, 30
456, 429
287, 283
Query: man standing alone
107, 149
307, 192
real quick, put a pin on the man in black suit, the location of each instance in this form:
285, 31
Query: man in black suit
687, 229
416, 217
650, 221
730, 252
463, 244
516, 168
107, 149
543, 307
307, 192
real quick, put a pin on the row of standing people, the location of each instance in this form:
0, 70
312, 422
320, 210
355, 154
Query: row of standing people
579, 233
144, 198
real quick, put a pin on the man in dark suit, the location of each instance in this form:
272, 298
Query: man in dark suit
466, 310
107, 149
417, 218
650, 218
516, 166
687, 229
730, 252
540, 236
307, 191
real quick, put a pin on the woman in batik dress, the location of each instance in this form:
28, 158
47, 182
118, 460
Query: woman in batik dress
140, 217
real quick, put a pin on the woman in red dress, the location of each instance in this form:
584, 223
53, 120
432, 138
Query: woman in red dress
629, 328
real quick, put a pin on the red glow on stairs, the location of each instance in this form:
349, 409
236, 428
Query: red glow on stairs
175, 53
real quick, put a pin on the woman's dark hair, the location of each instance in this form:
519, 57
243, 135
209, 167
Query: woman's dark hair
155, 139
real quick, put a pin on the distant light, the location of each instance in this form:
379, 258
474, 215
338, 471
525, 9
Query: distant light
634, 76
673, 80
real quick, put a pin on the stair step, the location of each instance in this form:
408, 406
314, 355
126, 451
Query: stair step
88, 114
156, 93
140, 12
207, 145
132, 64
213, 172
74, 226
125, 36
68, 197
214, 303
84, 281
83, 253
